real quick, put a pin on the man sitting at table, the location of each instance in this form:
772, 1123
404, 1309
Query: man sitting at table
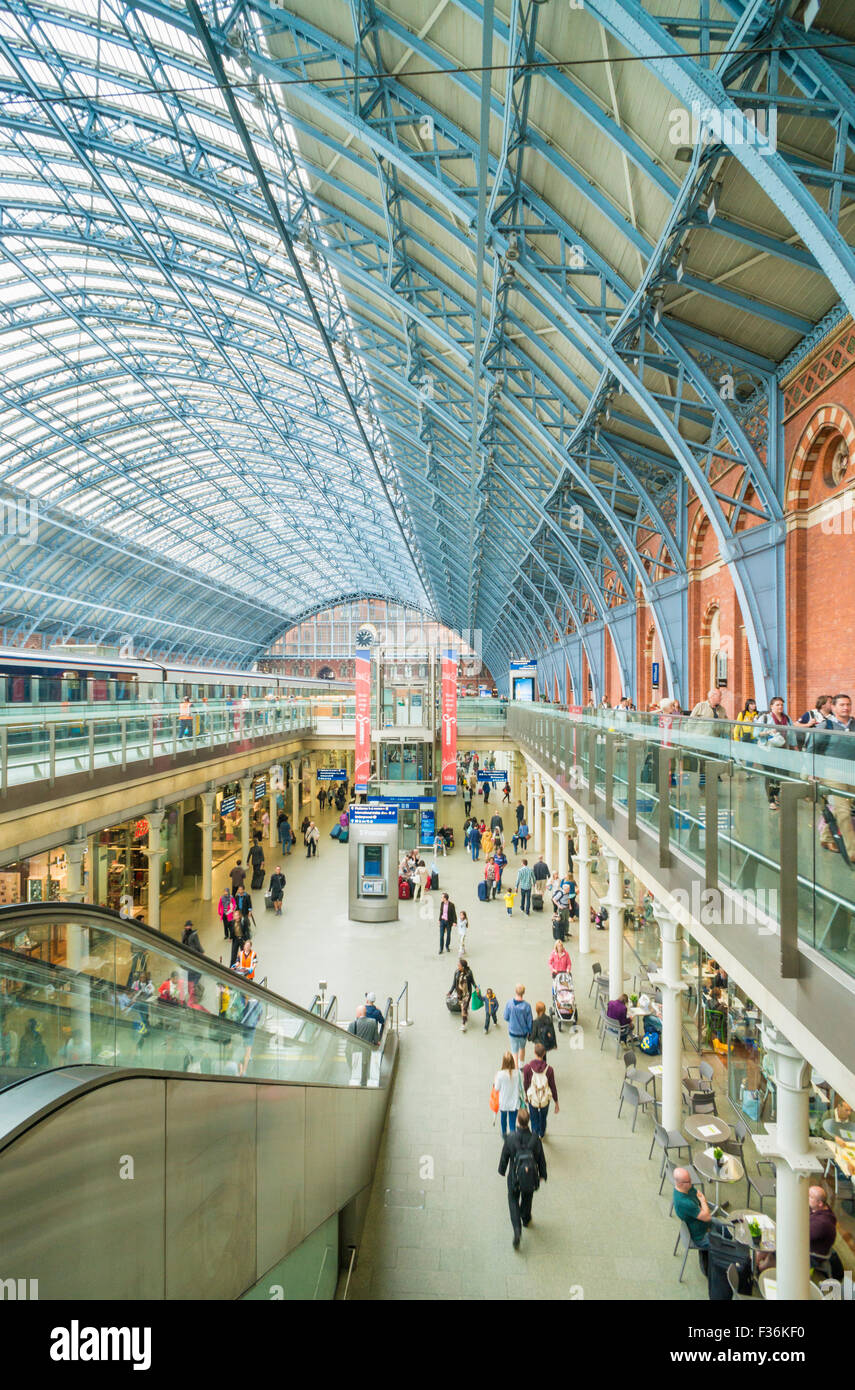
823, 1229
617, 1011
692, 1207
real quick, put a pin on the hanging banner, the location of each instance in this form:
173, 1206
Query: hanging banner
362, 761
449, 723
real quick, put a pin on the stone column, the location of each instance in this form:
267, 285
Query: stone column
74, 879
788, 1142
246, 817
272, 788
561, 860
295, 794
538, 815
614, 903
155, 855
548, 819
206, 825
583, 881
529, 797
669, 979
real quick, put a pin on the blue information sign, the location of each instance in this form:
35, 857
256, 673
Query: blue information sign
227, 805
427, 826
493, 776
332, 774
655, 675
373, 814
260, 789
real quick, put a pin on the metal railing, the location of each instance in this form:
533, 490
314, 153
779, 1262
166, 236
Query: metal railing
764, 811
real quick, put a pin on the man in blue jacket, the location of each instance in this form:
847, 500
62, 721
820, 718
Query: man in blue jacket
519, 1020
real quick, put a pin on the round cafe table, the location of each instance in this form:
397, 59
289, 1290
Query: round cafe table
708, 1128
840, 1129
739, 1226
730, 1171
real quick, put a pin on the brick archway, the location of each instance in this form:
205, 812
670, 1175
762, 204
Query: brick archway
829, 420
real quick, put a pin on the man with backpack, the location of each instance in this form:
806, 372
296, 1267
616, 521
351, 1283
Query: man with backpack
539, 1086
525, 1164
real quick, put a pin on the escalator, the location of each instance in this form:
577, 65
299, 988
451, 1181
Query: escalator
169, 1130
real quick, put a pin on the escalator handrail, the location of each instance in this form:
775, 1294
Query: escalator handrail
148, 937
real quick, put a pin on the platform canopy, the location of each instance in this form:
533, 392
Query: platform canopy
480, 308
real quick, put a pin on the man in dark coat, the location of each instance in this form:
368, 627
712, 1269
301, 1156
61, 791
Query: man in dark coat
524, 1162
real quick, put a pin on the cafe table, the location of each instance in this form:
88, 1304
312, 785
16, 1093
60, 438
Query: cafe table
840, 1129
739, 1223
768, 1287
708, 1128
637, 1014
731, 1170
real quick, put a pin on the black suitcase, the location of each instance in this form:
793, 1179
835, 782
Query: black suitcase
268, 902
537, 902
434, 881
257, 878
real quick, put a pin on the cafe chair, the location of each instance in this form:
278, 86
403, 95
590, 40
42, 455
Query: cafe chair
639, 1100
704, 1073
613, 1027
733, 1281
596, 977
684, 1239
668, 1140
702, 1103
763, 1186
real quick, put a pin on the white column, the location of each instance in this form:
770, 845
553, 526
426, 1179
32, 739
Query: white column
272, 788
788, 1142
538, 814
561, 862
74, 878
583, 881
155, 856
548, 817
295, 794
246, 817
669, 980
614, 902
206, 825
529, 797
313, 772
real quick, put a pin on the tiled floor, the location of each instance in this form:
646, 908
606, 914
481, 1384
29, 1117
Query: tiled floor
438, 1223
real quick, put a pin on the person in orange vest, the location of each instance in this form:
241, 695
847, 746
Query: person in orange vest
185, 718
247, 960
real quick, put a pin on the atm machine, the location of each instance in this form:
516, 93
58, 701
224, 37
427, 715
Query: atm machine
373, 863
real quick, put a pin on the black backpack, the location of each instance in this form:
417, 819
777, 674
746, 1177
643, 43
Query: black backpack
547, 1034
526, 1175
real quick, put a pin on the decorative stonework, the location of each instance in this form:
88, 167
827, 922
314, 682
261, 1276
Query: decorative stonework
828, 418
823, 369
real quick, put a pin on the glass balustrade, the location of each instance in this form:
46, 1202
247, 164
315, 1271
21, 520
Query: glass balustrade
756, 776
79, 985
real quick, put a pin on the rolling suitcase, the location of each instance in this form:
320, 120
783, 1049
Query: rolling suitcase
268, 902
335, 833
257, 879
434, 881
482, 891
537, 902
344, 836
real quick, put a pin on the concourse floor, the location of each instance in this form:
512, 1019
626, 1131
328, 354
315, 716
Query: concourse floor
438, 1223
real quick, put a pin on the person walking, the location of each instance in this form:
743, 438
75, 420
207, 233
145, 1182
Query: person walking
519, 812
506, 793
524, 1162
500, 859
447, 919
462, 929
276, 889
506, 1082
311, 839
523, 885
238, 877
462, 985
523, 833
475, 840
256, 859
518, 1018
422, 877
283, 830
491, 1010
538, 1086
467, 799
227, 909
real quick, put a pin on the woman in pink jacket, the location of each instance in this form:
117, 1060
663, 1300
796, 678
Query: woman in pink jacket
560, 959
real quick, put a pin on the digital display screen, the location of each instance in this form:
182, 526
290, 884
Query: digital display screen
524, 688
372, 862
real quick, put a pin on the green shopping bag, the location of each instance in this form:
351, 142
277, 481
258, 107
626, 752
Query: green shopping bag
476, 1002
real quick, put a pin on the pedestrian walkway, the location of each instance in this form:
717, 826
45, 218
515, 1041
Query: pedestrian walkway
438, 1223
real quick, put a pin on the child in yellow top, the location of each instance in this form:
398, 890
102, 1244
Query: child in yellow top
509, 900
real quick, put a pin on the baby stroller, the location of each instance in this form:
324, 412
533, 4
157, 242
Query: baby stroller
564, 1008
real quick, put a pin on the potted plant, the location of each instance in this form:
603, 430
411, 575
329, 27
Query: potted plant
755, 1232
633, 999
718, 1156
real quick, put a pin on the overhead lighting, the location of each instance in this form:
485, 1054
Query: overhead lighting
715, 194
681, 265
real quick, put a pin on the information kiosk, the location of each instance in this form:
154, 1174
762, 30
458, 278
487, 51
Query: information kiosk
373, 866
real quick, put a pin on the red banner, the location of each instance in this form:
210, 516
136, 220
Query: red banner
449, 722
362, 759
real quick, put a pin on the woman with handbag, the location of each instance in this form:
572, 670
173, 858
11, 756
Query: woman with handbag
506, 1083
462, 986
777, 722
